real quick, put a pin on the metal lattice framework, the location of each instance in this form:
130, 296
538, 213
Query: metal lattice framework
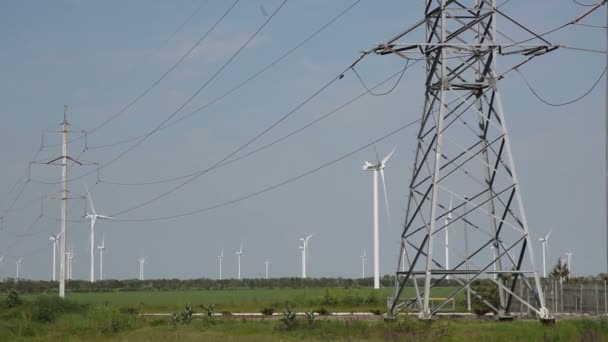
463, 178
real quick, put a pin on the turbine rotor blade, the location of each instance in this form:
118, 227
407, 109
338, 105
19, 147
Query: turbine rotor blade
385, 160
388, 214
90, 199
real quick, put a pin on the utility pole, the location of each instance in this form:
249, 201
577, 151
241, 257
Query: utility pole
63, 162
64, 203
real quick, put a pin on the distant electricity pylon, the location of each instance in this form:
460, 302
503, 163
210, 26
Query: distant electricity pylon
464, 153
63, 162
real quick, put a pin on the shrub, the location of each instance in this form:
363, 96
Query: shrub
489, 292
47, 308
267, 311
310, 317
187, 315
371, 298
376, 311
289, 316
323, 311
329, 299
209, 311
13, 300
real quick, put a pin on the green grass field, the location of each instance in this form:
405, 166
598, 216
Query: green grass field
253, 300
113, 316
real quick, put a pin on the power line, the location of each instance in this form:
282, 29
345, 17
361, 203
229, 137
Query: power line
259, 135
147, 90
286, 182
572, 22
264, 147
582, 4
563, 103
158, 127
388, 91
244, 82
181, 26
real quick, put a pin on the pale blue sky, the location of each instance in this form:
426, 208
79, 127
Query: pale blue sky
97, 56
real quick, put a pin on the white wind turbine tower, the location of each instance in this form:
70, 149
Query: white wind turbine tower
93, 216
545, 243
238, 256
70, 263
569, 256
141, 262
220, 258
267, 264
448, 219
379, 166
304, 248
54, 241
18, 262
102, 249
363, 259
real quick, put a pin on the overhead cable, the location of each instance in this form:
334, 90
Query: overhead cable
278, 185
244, 82
563, 103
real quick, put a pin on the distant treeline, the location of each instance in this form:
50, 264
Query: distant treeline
31, 286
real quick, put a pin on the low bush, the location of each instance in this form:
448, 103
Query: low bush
47, 308
323, 311
267, 311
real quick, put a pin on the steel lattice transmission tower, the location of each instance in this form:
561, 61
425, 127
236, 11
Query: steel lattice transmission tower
464, 154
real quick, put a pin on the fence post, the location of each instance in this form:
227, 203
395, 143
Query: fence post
597, 300
605, 299
581, 301
561, 294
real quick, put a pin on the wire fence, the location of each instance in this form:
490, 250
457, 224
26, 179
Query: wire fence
576, 298
566, 298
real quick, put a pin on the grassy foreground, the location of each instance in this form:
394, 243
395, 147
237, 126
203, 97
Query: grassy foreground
47, 318
248, 300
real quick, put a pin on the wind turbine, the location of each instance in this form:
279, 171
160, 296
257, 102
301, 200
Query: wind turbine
238, 255
70, 256
304, 248
220, 258
379, 166
363, 258
267, 263
448, 219
101, 249
54, 241
93, 216
18, 262
569, 256
71, 263
141, 262
545, 243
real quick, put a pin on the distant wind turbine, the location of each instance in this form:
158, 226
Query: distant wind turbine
18, 262
54, 242
93, 216
267, 264
378, 167
141, 262
70, 256
238, 256
569, 258
545, 243
304, 248
220, 258
363, 258
102, 249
